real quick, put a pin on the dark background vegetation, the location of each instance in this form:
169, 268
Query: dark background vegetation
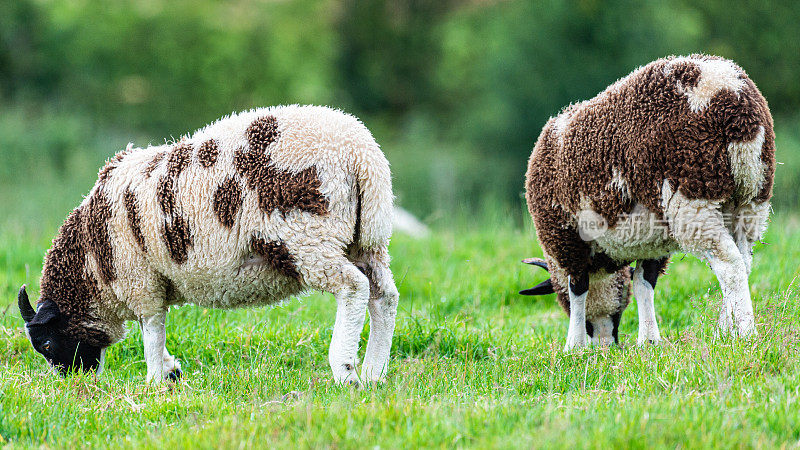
456, 92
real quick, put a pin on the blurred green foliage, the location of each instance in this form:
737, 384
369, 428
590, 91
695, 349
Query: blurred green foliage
455, 91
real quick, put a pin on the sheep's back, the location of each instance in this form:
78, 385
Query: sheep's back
696, 121
230, 213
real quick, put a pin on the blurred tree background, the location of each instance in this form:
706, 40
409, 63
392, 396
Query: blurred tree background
456, 92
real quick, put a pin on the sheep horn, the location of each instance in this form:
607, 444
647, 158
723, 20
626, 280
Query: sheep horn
543, 288
536, 262
24, 304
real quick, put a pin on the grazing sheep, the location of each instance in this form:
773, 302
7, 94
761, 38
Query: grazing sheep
676, 156
250, 210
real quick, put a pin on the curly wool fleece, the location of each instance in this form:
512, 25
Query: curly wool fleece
676, 141
250, 210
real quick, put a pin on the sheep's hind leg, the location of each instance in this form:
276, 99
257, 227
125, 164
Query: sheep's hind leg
352, 296
729, 266
698, 226
383, 302
578, 291
749, 226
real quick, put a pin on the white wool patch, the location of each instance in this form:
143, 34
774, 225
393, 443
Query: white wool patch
751, 220
619, 184
715, 75
746, 165
749, 227
560, 125
641, 234
603, 296
696, 224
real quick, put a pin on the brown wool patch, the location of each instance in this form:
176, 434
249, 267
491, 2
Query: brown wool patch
277, 189
165, 194
177, 238
207, 153
179, 158
276, 255
153, 164
768, 158
98, 213
641, 132
262, 133
66, 282
227, 200
176, 234
110, 165
134, 221
687, 73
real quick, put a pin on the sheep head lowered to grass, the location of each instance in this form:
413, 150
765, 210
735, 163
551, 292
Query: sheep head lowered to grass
50, 336
250, 210
602, 317
677, 156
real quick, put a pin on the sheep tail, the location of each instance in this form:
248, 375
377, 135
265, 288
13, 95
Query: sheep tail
375, 199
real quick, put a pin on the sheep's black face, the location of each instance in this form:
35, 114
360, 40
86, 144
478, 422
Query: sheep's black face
62, 352
45, 330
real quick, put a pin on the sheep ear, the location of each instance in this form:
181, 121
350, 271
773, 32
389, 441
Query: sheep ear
536, 262
25, 308
543, 288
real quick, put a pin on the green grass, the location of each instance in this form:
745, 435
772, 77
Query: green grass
474, 364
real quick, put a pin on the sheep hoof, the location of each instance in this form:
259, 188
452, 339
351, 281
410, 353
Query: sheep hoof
645, 342
175, 375
348, 377
575, 345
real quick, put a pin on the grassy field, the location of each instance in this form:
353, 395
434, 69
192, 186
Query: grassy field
474, 364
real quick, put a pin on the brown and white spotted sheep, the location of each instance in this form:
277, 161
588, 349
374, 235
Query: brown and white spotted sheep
676, 156
251, 210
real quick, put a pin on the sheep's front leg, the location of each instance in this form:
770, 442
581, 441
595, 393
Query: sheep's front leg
725, 320
644, 282
154, 335
578, 291
352, 297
